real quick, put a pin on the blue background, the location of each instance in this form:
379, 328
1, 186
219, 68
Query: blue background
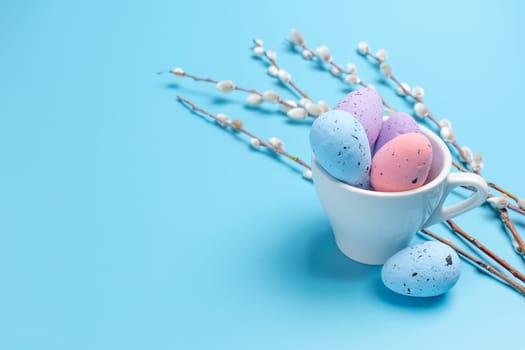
126, 222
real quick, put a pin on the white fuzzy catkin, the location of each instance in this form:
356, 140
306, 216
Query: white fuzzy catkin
271, 96
307, 54
222, 119
178, 72
297, 37
271, 54
447, 134
478, 157
324, 53
335, 71
362, 47
421, 110
297, 113
477, 163
313, 109
258, 51
445, 123
386, 69
466, 154
351, 68
323, 105
276, 143
225, 85
304, 101
258, 42
418, 92
400, 91
254, 99
255, 142
498, 202
381, 55
521, 204
289, 104
476, 166
307, 174
352, 79
273, 71
284, 76
517, 247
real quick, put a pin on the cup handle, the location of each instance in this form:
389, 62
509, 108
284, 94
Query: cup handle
455, 180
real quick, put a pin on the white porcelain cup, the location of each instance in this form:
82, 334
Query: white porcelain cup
370, 226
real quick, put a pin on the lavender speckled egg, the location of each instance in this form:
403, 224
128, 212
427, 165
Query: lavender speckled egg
402, 164
366, 106
422, 270
397, 124
341, 147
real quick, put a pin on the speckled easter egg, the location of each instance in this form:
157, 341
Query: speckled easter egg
364, 184
366, 106
341, 147
422, 270
397, 124
402, 164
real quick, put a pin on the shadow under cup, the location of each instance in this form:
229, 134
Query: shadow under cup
371, 226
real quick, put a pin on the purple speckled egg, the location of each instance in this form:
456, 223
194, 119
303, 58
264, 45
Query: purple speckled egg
397, 124
366, 106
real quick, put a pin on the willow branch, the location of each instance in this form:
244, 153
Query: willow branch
496, 187
518, 243
503, 263
337, 67
237, 125
480, 264
279, 72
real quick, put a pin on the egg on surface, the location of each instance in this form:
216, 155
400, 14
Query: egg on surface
402, 164
422, 270
341, 147
366, 106
397, 124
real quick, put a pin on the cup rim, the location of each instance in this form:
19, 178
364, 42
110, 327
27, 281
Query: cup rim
447, 164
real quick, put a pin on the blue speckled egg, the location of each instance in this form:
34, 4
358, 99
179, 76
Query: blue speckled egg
422, 270
340, 145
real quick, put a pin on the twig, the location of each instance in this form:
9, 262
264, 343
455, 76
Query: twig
434, 120
518, 243
338, 68
278, 100
256, 141
496, 187
279, 72
446, 133
458, 230
480, 264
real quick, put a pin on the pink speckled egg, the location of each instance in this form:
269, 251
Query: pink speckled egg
402, 164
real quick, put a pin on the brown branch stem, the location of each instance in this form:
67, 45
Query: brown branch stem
293, 85
496, 187
503, 263
480, 264
504, 215
235, 87
339, 68
237, 125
